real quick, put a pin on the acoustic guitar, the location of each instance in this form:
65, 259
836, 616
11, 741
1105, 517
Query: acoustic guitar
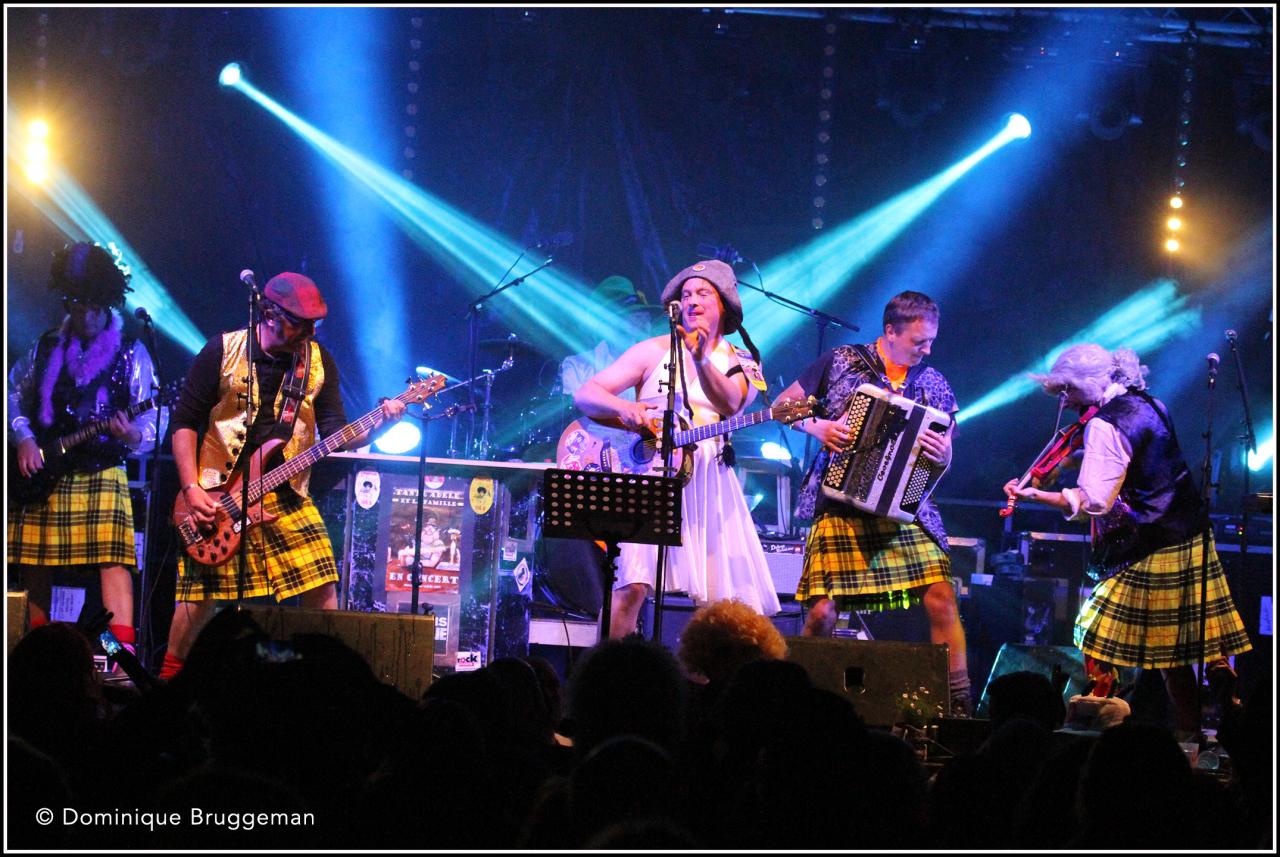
607, 445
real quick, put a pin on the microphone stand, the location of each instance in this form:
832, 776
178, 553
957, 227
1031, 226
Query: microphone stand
425, 418
822, 319
675, 352
473, 315
144, 617
1206, 487
252, 346
1250, 445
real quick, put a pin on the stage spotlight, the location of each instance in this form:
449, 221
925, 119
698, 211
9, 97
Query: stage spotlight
38, 129
1175, 223
1018, 126
399, 439
1175, 202
1258, 460
1172, 245
774, 451
230, 74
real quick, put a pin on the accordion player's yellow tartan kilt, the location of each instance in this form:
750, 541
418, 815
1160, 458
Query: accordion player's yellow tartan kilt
285, 557
864, 562
1148, 615
88, 520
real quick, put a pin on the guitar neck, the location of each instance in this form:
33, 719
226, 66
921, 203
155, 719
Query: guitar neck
97, 427
296, 465
693, 435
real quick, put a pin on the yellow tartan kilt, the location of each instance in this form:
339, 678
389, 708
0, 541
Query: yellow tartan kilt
285, 557
1149, 614
863, 562
88, 520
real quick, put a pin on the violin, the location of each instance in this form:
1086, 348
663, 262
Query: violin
1068, 440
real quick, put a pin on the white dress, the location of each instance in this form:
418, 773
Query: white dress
720, 555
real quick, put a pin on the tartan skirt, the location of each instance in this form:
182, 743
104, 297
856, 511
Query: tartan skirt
1149, 614
867, 563
285, 557
87, 520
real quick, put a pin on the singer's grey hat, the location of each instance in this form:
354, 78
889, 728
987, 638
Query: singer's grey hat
721, 276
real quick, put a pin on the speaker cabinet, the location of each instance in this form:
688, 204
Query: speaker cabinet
1013, 657
677, 610
399, 647
887, 682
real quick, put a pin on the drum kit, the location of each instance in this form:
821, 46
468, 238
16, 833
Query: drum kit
533, 424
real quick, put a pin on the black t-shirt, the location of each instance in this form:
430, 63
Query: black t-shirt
200, 393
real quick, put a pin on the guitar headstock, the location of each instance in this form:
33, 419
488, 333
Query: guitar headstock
789, 410
422, 389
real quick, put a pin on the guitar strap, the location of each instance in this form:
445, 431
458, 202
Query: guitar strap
294, 387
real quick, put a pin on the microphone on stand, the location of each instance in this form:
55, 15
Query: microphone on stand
673, 311
246, 277
142, 315
1231, 337
1213, 360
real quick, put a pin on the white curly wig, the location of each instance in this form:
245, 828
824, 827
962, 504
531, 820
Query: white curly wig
1091, 369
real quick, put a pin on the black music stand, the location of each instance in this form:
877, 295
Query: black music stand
612, 508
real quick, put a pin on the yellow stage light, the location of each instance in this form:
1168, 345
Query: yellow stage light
1175, 224
1175, 202
1172, 245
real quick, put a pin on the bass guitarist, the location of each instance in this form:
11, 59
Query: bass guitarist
295, 398
84, 370
720, 555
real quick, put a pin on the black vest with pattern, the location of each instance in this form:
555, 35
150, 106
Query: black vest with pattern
1159, 504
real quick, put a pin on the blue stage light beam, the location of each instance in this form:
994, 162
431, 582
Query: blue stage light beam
61, 199
1144, 321
815, 272
1259, 460
551, 309
350, 96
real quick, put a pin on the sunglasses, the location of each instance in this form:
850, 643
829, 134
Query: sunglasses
276, 311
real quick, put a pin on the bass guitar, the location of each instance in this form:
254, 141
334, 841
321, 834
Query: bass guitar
36, 488
216, 543
608, 445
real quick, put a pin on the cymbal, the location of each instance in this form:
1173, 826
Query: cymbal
503, 344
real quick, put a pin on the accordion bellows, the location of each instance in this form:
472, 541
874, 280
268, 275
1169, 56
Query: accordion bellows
882, 471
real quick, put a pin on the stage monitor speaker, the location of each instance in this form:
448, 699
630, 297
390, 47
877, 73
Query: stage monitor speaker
887, 682
677, 610
17, 627
399, 647
1013, 657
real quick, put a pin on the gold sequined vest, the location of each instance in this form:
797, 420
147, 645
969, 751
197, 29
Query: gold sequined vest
220, 449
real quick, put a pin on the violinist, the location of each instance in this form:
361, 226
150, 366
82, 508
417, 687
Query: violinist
1149, 531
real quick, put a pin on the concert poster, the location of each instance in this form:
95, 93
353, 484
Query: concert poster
441, 535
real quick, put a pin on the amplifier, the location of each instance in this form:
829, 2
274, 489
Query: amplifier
786, 560
968, 556
1055, 555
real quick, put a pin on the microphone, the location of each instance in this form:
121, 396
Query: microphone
142, 315
1231, 336
673, 311
246, 277
562, 238
1213, 359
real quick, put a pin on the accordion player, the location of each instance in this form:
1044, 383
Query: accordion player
882, 471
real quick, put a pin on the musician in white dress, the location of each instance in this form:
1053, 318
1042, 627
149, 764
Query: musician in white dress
720, 555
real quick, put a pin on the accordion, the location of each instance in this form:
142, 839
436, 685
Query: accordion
882, 471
